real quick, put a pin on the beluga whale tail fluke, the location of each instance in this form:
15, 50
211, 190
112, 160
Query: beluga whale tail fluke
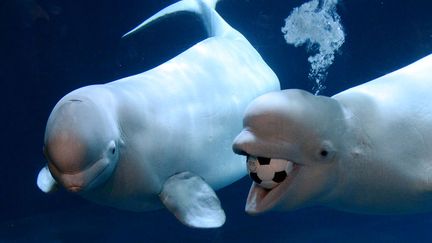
214, 24
161, 138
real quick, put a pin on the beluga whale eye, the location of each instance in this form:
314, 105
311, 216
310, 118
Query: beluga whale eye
112, 148
324, 153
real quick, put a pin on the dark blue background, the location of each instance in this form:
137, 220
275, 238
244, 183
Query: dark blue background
46, 53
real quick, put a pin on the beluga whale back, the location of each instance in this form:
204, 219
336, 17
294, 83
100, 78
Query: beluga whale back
161, 137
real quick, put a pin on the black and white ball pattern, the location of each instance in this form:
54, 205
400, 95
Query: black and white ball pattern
266, 172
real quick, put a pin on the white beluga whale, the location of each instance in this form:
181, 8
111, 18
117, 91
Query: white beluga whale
162, 137
366, 150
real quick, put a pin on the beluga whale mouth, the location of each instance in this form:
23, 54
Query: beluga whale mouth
271, 178
83, 180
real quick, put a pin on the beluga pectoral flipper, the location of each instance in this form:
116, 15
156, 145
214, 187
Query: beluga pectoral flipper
161, 137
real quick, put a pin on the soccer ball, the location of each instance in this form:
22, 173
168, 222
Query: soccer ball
268, 173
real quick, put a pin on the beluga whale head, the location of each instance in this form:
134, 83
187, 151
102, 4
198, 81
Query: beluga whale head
80, 144
298, 127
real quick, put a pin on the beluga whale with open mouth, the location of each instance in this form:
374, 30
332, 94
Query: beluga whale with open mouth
162, 137
366, 150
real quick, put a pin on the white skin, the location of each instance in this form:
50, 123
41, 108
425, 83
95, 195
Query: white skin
366, 150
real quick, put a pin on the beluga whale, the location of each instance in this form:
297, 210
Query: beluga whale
162, 137
365, 150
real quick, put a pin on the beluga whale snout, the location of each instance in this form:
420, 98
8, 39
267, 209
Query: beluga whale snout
161, 138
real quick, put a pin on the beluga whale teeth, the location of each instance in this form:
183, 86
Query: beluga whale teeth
350, 150
161, 138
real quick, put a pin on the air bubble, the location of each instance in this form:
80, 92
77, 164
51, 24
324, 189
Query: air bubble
317, 25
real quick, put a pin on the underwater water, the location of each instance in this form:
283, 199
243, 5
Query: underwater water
50, 47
